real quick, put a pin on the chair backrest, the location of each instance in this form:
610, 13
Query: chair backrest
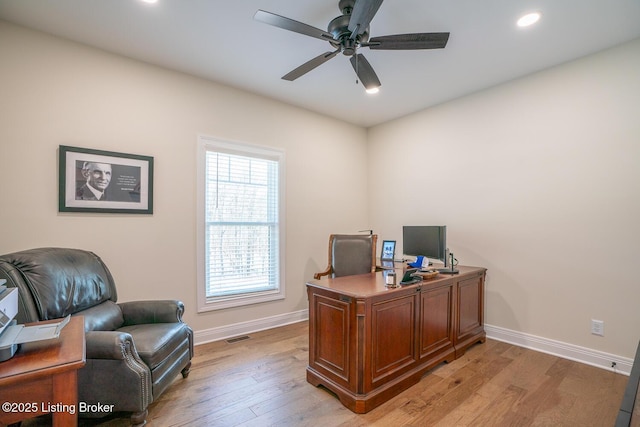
352, 254
54, 282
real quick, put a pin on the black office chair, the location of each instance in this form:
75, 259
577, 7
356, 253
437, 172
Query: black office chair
350, 254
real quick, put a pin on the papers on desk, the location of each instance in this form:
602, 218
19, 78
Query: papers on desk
20, 334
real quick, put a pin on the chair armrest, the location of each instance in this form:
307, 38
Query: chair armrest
317, 276
114, 373
109, 345
160, 311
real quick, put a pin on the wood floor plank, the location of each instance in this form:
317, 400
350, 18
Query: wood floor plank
261, 381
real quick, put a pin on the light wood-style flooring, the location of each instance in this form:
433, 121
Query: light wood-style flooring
260, 381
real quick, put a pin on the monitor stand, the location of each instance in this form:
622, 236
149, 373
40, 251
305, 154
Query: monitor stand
448, 271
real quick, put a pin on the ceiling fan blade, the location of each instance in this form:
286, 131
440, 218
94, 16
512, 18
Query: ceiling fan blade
365, 72
409, 41
361, 15
291, 25
309, 65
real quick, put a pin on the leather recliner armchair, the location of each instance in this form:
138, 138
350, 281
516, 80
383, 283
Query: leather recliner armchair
134, 350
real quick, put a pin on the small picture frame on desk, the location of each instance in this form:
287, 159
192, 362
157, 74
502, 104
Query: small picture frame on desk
388, 250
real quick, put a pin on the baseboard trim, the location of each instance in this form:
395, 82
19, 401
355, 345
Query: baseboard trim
576, 353
244, 328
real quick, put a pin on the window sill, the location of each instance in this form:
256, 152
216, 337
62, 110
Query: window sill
220, 303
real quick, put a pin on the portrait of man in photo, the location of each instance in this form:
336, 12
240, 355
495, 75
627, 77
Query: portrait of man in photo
104, 181
98, 177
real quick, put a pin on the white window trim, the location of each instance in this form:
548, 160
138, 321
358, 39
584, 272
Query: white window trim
208, 304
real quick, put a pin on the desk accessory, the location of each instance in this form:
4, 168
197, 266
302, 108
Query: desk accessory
388, 250
452, 263
409, 277
390, 279
418, 262
428, 274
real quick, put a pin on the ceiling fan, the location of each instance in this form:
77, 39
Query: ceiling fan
349, 32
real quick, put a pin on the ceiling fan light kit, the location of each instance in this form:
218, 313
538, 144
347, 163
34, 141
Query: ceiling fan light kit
350, 32
529, 19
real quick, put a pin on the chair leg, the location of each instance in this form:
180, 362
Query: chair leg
139, 419
186, 370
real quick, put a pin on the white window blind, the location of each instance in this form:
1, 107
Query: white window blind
241, 224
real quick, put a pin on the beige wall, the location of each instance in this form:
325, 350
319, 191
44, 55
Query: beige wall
54, 92
539, 181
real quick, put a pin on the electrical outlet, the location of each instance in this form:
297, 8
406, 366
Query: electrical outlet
597, 327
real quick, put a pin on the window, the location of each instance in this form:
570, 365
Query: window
240, 230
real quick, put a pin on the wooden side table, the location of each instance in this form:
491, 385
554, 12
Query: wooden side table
42, 378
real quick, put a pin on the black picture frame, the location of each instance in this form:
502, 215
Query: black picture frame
122, 183
388, 252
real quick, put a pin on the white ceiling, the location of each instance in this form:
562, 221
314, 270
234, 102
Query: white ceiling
220, 41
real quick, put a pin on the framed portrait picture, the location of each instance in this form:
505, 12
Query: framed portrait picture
104, 181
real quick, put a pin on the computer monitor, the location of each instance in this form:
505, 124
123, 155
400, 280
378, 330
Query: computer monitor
427, 240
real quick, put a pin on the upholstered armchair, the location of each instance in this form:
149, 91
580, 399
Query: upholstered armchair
350, 254
134, 350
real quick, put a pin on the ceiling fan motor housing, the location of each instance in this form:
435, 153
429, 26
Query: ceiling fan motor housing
339, 28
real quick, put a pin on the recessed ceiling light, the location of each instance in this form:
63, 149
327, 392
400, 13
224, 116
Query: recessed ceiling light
529, 19
150, 1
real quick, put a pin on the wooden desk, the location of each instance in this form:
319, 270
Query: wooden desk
368, 343
42, 377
